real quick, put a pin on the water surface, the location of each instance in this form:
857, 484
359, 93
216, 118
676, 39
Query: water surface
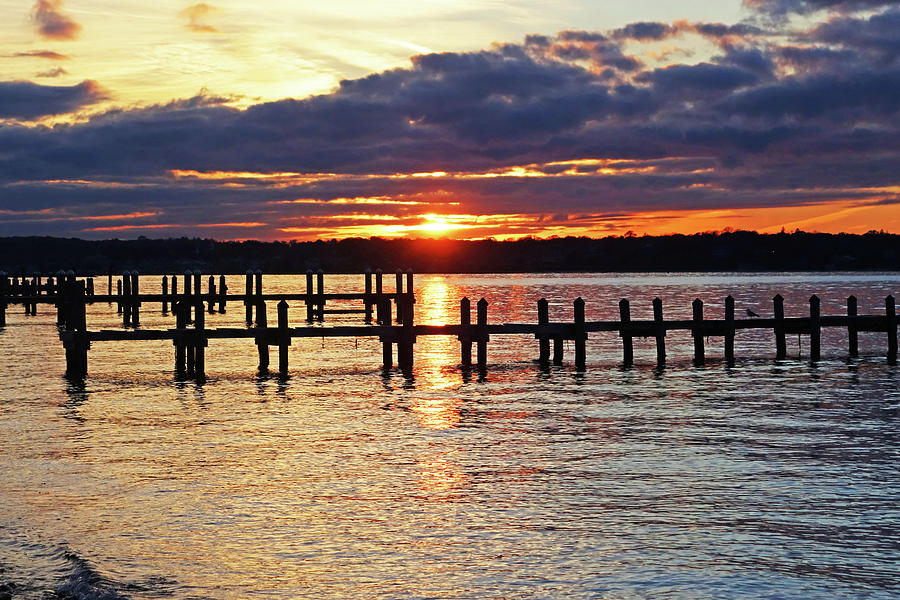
766, 479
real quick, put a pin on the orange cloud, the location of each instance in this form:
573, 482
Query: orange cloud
196, 14
51, 23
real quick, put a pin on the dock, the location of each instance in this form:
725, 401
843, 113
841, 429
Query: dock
389, 316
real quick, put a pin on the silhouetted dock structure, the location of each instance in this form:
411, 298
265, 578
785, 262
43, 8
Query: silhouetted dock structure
190, 336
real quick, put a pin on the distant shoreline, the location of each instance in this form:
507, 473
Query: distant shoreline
739, 251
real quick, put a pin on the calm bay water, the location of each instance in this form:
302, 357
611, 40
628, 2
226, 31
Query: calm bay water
763, 480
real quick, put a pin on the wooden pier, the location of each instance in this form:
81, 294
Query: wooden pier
395, 329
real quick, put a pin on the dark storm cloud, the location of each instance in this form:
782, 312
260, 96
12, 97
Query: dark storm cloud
783, 7
51, 22
26, 101
769, 121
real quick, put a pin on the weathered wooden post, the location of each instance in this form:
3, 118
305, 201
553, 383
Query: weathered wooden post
729, 330
780, 343
4, 291
262, 337
697, 331
310, 291
118, 294
165, 294
223, 293
248, 300
384, 319
284, 338
890, 310
399, 291
815, 328
379, 283
409, 282
198, 288
320, 295
212, 294
75, 334
188, 293
126, 299
135, 299
174, 294
660, 328
852, 337
109, 283
543, 309
179, 307
367, 300
580, 335
465, 336
627, 340
190, 345
90, 285
483, 337
259, 290
407, 339
200, 340
61, 309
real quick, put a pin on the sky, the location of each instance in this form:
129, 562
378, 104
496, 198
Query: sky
304, 120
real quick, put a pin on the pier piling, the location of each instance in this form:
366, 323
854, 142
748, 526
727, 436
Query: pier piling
627, 340
580, 335
729, 330
465, 339
697, 332
284, 338
262, 337
660, 328
780, 343
815, 328
482, 337
890, 310
852, 336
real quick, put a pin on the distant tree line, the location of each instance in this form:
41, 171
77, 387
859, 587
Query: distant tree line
726, 251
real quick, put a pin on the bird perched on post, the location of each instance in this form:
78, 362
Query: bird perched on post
750, 313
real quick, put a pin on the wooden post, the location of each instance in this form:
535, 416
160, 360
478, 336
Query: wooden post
190, 345
379, 283
126, 299
4, 291
729, 330
258, 278
248, 301
262, 337
76, 343
320, 295
409, 282
399, 286
212, 294
174, 294
543, 309
188, 276
310, 312
179, 307
660, 332
367, 301
90, 285
135, 299
165, 294
815, 328
852, 337
483, 338
200, 347
384, 319
223, 291
780, 344
557, 350
284, 338
465, 337
198, 287
890, 310
580, 335
118, 294
697, 332
627, 340
407, 340
109, 282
